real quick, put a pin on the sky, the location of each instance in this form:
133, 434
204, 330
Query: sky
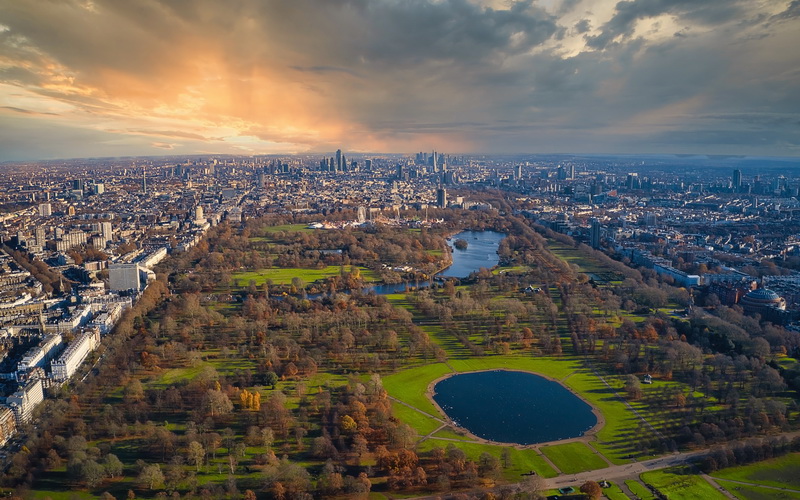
93, 78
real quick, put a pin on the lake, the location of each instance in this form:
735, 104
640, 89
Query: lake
513, 407
481, 252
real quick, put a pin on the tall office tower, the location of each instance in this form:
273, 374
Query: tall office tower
561, 173
144, 180
595, 234
368, 165
517, 172
737, 180
338, 160
632, 181
99, 188
78, 184
572, 172
435, 163
441, 197
45, 210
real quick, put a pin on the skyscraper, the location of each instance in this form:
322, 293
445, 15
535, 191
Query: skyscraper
338, 160
594, 234
737, 180
441, 197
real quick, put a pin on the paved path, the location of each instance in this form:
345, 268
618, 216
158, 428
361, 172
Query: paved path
417, 409
626, 490
778, 488
717, 486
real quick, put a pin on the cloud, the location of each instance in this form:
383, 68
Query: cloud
396, 75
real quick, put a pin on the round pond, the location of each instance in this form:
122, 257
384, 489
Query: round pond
513, 407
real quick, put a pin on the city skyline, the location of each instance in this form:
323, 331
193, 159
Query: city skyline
98, 79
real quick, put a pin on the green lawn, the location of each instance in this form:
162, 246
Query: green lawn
680, 484
748, 492
410, 385
421, 423
573, 256
639, 490
572, 458
284, 276
783, 472
614, 492
448, 433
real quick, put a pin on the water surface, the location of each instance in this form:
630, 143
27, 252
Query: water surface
513, 407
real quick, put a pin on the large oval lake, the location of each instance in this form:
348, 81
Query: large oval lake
513, 407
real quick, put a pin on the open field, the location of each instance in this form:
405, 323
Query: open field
750, 492
572, 458
783, 472
614, 492
681, 484
639, 490
284, 276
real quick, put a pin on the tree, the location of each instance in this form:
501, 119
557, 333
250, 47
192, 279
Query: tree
196, 454
633, 387
488, 466
151, 476
92, 473
271, 378
217, 402
592, 490
113, 465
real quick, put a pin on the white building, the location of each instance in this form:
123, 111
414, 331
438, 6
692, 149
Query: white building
154, 258
25, 400
8, 424
77, 351
106, 231
45, 210
39, 355
124, 277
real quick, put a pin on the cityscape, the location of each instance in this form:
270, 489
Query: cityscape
396, 249
84, 239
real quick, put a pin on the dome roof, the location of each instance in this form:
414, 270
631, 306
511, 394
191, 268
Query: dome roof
763, 295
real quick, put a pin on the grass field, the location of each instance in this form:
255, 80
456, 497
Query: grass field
639, 490
783, 472
573, 256
749, 492
614, 493
681, 484
284, 276
572, 458
421, 423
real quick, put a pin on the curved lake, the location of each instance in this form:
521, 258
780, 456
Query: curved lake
513, 407
481, 252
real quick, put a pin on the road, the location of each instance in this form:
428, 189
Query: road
616, 473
